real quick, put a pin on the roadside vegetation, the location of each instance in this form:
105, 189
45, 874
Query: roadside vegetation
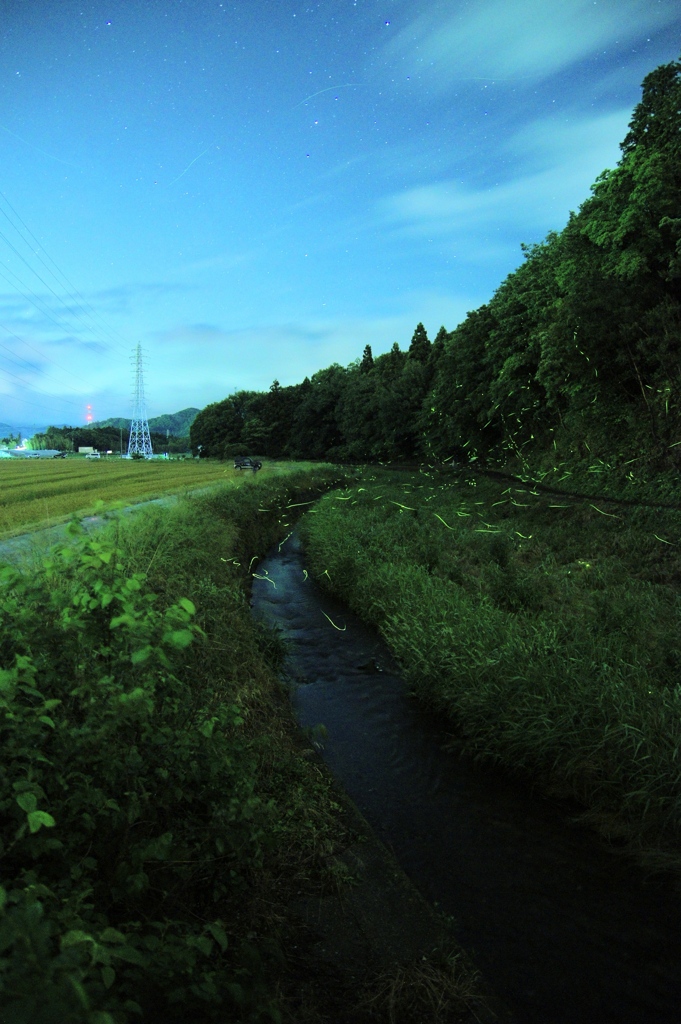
156, 809
162, 820
36, 493
571, 367
546, 627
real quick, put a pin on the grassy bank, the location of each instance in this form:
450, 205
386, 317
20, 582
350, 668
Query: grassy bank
546, 627
36, 493
154, 804
162, 821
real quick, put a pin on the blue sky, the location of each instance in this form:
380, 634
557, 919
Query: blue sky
256, 189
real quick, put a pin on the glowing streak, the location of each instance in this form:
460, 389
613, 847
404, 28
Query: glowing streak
610, 514
663, 540
339, 628
43, 151
408, 507
523, 535
254, 559
304, 575
190, 165
266, 578
297, 504
285, 539
329, 88
442, 521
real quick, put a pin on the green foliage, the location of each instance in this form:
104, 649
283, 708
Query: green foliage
419, 347
542, 629
104, 438
178, 423
140, 806
574, 359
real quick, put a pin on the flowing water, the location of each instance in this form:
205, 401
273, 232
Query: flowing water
564, 929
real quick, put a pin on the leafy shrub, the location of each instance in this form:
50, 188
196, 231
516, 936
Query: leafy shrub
139, 808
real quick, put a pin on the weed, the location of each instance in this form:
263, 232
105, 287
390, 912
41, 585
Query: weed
439, 989
155, 810
547, 634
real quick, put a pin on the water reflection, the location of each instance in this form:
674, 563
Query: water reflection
564, 930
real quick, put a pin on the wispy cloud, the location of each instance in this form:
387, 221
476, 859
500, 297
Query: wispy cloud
553, 164
217, 361
524, 40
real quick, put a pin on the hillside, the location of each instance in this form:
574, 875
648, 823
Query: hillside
178, 423
571, 369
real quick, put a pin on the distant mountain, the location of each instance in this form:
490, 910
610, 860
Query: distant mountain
26, 430
178, 423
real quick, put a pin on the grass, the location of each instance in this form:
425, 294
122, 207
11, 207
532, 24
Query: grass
181, 818
227, 826
439, 989
546, 627
36, 493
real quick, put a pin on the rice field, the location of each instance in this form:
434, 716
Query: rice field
36, 493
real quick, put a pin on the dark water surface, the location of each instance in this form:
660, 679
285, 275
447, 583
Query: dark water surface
564, 930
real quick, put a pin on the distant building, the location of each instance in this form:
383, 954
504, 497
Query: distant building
86, 451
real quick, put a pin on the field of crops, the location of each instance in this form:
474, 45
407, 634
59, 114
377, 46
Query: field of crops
35, 492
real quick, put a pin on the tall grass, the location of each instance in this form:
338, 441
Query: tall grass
547, 629
156, 815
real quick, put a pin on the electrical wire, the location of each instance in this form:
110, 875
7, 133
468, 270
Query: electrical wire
63, 323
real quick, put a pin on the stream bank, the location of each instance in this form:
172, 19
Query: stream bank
563, 929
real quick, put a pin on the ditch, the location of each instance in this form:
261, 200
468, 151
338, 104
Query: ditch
564, 928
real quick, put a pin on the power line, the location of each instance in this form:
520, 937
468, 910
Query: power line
22, 341
30, 387
93, 311
84, 320
76, 295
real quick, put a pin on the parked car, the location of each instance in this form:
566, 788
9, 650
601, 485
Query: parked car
93, 455
59, 455
245, 462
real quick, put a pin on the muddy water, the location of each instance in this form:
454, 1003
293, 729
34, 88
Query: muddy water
565, 931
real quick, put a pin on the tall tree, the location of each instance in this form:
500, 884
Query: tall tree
367, 360
419, 347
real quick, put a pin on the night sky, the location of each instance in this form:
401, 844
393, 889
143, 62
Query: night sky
257, 189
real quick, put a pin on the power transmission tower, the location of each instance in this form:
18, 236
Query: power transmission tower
140, 441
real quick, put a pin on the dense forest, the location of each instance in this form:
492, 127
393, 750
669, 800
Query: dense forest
574, 360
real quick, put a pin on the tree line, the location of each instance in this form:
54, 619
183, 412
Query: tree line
576, 356
114, 439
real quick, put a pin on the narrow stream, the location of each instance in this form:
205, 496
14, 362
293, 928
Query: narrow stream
565, 930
